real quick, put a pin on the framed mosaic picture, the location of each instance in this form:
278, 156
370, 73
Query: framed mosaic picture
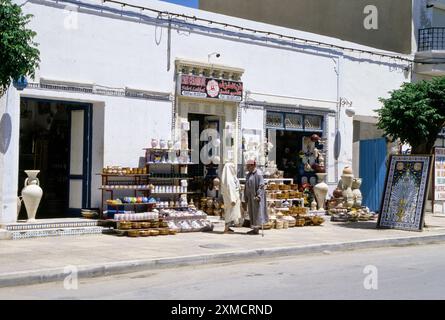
406, 189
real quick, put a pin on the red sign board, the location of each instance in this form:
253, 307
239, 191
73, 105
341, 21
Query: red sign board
203, 87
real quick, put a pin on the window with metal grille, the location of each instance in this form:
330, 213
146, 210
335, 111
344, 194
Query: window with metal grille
313, 122
293, 121
274, 120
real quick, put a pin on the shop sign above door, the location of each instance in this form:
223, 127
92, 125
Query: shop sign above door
203, 87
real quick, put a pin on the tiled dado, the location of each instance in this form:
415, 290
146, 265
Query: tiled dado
51, 225
56, 232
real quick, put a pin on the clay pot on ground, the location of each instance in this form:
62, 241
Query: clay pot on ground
32, 194
321, 190
347, 192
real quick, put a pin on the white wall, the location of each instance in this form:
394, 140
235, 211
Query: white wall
116, 52
9, 164
130, 124
122, 127
364, 83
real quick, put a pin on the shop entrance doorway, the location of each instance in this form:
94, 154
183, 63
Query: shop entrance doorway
290, 148
205, 171
55, 138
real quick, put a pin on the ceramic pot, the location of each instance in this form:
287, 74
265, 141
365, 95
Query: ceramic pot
315, 138
338, 193
19, 206
348, 195
347, 170
154, 143
162, 144
321, 190
314, 205
32, 194
170, 144
357, 194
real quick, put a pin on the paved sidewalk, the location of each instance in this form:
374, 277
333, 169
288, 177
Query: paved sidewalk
43, 259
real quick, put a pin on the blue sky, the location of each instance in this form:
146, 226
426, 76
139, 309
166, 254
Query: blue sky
187, 3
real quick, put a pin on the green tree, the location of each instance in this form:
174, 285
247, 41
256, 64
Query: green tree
18, 53
415, 114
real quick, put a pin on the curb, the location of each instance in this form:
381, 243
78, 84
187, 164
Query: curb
122, 267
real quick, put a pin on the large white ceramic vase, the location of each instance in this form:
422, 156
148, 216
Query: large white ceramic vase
321, 190
32, 194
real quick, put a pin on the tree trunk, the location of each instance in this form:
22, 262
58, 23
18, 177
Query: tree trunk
424, 148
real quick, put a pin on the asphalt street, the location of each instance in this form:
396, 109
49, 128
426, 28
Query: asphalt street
413, 272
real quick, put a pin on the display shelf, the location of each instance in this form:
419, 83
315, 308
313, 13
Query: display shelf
195, 217
279, 191
128, 204
144, 220
166, 149
170, 163
167, 178
272, 179
294, 199
123, 175
195, 192
123, 189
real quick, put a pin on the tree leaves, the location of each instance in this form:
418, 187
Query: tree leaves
18, 53
415, 113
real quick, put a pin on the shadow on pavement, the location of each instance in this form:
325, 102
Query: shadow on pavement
357, 225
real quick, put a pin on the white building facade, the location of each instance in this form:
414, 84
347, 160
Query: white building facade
120, 68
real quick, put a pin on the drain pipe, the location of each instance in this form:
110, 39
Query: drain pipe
337, 141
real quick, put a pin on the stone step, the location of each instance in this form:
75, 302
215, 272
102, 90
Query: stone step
50, 224
54, 232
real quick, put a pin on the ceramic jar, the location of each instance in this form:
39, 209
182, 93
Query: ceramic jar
314, 205
321, 190
347, 190
32, 194
170, 144
163, 144
154, 143
19, 206
357, 194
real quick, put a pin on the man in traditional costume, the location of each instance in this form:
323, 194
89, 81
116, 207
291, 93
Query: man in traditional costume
230, 190
255, 197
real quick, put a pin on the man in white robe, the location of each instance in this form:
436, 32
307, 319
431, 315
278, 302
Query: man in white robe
230, 190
